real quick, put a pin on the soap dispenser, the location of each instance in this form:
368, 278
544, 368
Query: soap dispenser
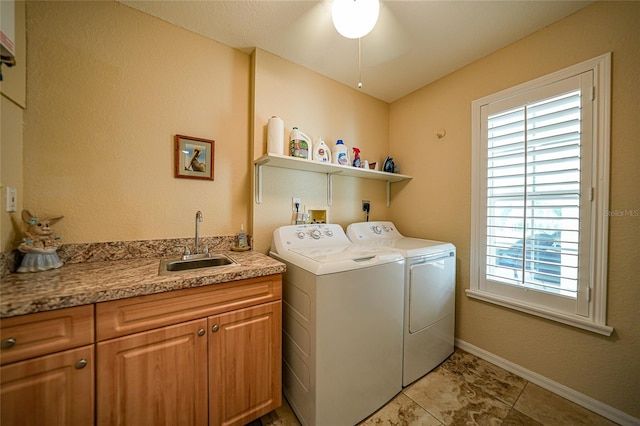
242, 238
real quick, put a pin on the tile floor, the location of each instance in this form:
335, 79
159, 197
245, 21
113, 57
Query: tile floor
466, 390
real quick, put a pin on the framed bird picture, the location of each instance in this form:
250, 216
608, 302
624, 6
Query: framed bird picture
194, 157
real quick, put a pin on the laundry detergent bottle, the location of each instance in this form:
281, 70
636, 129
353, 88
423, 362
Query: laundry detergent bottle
299, 144
340, 153
321, 152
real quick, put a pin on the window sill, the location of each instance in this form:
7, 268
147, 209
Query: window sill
541, 312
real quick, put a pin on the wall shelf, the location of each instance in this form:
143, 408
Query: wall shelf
286, 162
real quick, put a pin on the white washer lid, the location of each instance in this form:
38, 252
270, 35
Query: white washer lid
325, 249
340, 253
335, 261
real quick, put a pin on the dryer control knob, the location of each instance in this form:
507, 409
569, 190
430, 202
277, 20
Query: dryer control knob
377, 229
315, 234
329, 233
300, 234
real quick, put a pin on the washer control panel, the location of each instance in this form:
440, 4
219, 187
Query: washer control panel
313, 235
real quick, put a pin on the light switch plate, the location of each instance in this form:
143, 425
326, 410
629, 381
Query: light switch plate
12, 199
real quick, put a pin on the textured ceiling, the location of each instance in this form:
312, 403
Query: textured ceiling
414, 42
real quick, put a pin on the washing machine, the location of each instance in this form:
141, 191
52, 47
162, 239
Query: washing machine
429, 300
342, 324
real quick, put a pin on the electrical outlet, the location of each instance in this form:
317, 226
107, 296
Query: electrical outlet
11, 200
294, 201
366, 206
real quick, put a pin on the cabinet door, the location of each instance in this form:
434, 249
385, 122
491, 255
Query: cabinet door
157, 377
55, 389
245, 357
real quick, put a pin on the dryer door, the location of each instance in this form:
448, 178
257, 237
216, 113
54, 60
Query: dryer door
432, 286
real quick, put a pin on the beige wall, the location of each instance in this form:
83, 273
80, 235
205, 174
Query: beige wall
606, 369
319, 107
108, 88
12, 104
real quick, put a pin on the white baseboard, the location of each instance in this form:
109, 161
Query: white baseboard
557, 388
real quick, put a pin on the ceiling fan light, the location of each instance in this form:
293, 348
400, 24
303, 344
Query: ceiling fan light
355, 18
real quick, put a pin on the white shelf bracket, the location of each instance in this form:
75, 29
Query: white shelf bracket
329, 189
258, 183
388, 193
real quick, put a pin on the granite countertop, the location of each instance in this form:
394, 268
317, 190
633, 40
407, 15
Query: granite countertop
86, 283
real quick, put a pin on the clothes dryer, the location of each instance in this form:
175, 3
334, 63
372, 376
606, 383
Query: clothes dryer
342, 324
429, 300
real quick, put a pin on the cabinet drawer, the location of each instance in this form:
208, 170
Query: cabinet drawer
126, 316
55, 389
32, 335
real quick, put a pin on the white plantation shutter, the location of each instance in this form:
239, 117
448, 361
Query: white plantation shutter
533, 194
540, 196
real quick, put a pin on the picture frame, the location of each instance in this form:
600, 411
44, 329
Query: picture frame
194, 157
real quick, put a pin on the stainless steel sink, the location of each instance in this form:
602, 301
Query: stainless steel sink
187, 263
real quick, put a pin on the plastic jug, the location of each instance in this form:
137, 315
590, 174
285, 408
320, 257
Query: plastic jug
340, 154
299, 144
321, 152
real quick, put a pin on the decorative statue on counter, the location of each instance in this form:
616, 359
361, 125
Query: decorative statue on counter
39, 244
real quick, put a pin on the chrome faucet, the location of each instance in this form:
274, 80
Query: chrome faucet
197, 243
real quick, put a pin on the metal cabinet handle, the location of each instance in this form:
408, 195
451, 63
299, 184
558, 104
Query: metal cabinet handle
81, 364
201, 332
215, 328
6, 344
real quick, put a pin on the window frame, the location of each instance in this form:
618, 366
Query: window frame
595, 318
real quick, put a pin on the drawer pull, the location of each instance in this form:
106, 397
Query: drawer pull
201, 332
81, 364
215, 328
6, 344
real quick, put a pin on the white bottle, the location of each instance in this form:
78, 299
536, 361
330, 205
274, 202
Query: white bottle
341, 154
321, 152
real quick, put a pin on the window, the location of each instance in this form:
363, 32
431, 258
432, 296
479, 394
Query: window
540, 196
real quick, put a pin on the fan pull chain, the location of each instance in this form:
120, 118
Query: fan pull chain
359, 63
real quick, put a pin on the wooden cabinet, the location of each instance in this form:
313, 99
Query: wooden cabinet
209, 355
156, 377
201, 356
245, 366
47, 376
